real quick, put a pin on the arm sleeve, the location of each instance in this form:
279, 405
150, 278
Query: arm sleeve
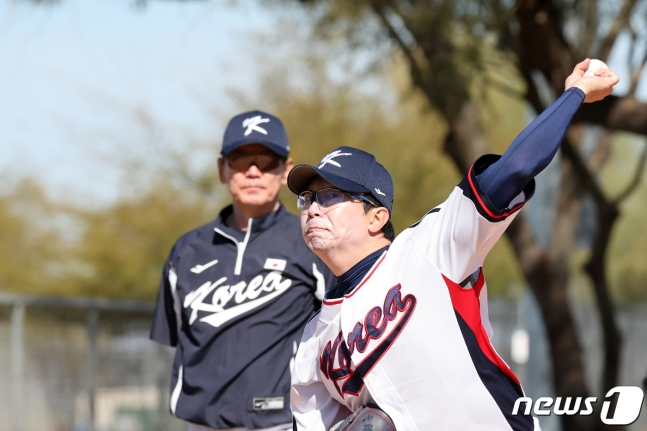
166, 318
531, 152
457, 235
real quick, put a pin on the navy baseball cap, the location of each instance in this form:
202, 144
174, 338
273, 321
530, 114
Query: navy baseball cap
255, 127
350, 170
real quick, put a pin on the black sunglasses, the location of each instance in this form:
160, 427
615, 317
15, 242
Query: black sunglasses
263, 161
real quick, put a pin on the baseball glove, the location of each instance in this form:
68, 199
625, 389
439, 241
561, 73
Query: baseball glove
368, 417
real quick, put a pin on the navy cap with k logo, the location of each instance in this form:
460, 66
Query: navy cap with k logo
255, 127
350, 170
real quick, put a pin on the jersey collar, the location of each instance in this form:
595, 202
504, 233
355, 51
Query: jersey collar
351, 278
258, 223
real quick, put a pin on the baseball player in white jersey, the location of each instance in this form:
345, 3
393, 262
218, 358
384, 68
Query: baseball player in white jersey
407, 326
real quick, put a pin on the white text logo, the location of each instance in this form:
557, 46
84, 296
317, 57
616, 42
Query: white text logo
252, 125
621, 406
199, 268
245, 296
329, 159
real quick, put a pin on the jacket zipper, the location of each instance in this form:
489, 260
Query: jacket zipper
239, 245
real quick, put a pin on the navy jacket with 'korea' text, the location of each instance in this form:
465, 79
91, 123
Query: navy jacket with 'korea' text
234, 304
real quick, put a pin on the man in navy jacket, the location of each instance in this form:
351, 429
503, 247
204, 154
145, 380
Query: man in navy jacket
236, 293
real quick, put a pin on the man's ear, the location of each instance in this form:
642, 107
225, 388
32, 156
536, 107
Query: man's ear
289, 164
379, 219
221, 170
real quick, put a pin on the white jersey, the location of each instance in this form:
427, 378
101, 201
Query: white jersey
414, 335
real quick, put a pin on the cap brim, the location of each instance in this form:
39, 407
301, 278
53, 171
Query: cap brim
281, 151
301, 175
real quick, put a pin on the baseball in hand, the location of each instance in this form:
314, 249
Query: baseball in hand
594, 66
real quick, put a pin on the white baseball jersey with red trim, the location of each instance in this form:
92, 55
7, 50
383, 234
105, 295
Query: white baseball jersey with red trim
414, 335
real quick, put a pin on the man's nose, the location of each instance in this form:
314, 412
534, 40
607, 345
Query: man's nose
314, 209
253, 170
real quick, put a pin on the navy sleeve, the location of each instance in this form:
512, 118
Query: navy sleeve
531, 152
164, 328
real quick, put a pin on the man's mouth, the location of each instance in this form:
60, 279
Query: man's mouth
315, 229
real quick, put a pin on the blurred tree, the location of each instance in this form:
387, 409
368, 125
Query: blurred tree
627, 250
119, 250
406, 136
31, 246
455, 47
456, 52
123, 248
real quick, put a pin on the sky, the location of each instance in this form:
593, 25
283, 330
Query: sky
75, 77
79, 81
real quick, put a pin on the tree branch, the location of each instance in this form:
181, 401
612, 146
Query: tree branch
583, 173
615, 113
591, 24
416, 69
621, 22
636, 73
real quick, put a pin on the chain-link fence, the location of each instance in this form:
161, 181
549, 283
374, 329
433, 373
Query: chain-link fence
81, 364
87, 364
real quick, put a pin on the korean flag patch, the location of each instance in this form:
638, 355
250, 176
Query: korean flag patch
275, 264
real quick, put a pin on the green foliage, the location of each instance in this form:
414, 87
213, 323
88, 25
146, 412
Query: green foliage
118, 251
627, 251
124, 247
407, 144
406, 138
451, 45
29, 244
